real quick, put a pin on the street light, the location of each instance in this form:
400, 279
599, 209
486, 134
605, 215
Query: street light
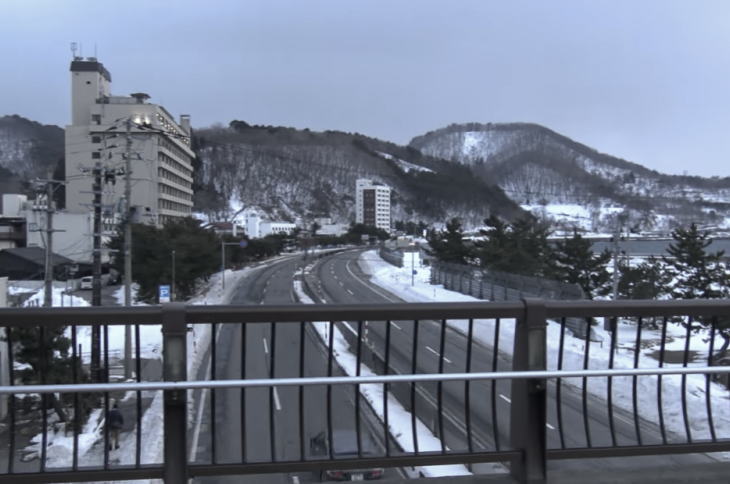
240, 243
172, 287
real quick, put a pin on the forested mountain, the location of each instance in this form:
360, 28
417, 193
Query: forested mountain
289, 173
539, 167
27, 150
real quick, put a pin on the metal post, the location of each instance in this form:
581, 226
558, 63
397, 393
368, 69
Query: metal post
48, 276
172, 287
529, 415
128, 248
223, 264
174, 349
413, 269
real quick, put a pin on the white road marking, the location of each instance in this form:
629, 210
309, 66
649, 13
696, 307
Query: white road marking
549, 426
437, 354
385, 296
277, 403
351, 293
347, 325
505, 398
396, 325
341, 283
266, 347
294, 479
201, 405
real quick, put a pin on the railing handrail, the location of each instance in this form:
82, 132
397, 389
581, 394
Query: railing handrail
355, 380
151, 315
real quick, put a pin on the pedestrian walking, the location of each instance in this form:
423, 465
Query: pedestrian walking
116, 422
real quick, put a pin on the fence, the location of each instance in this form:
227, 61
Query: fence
503, 286
391, 256
492, 381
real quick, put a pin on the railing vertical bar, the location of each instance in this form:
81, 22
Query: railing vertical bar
495, 362
358, 363
213, 330
414, 367
439, 386
559, 383
660, 406
386, 371
272, 373
635, 381
609, 386
685, 360
330, 356
138, 370
708, 378
75, 379
467, 386
44, 398
301, 391
107, 441
244, 343
586, 361
11, 374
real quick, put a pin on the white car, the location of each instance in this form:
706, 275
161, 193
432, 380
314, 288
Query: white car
86, 282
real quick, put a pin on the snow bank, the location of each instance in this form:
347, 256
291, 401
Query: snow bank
399, 419
398, 281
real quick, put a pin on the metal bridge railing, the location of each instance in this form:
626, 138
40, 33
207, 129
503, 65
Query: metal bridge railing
494, 382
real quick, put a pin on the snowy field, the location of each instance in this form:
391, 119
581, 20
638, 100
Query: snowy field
398, 281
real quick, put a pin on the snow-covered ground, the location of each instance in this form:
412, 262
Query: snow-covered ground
398, 281
399, 419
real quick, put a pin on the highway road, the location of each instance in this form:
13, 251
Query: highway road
342, 281
338, 279
276, 344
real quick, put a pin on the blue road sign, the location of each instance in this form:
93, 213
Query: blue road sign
164, 294
243, 243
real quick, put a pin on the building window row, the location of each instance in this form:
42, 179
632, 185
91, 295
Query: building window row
168, 175
169, 205
170, 146
168, 190
166, 160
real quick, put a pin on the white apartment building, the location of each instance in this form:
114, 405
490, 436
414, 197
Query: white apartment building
162, 172
372, 204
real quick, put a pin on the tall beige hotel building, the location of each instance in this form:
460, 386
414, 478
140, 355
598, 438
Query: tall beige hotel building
161, 161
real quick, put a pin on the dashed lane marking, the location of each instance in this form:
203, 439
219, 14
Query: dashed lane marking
277, 402
437, 354
351, 293
549, 426
266, 347
396, 325
506, 399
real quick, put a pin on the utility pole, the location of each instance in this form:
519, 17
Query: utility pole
128, 248
616, 236
95, 366
48, 266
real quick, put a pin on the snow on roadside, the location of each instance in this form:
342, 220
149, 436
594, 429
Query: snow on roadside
399, 419
398, 281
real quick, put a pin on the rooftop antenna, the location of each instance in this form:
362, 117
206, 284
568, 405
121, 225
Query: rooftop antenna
74, 48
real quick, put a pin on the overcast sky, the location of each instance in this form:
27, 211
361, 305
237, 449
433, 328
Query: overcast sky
648, 81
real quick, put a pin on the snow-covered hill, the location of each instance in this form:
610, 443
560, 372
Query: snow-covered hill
289, 173
546, 172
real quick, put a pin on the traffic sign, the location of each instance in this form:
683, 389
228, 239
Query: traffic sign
243, 243
164, 294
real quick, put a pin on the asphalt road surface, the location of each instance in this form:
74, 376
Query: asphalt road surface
274, 350
342, 281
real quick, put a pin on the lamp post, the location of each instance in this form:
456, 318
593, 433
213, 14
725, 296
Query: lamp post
172, 287
240, 243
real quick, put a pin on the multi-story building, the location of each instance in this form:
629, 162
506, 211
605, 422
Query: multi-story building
372, 204
161, 161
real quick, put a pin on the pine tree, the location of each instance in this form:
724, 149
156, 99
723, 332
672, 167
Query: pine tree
576, 263
648, 280
520, 248
698, 274
449, 246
